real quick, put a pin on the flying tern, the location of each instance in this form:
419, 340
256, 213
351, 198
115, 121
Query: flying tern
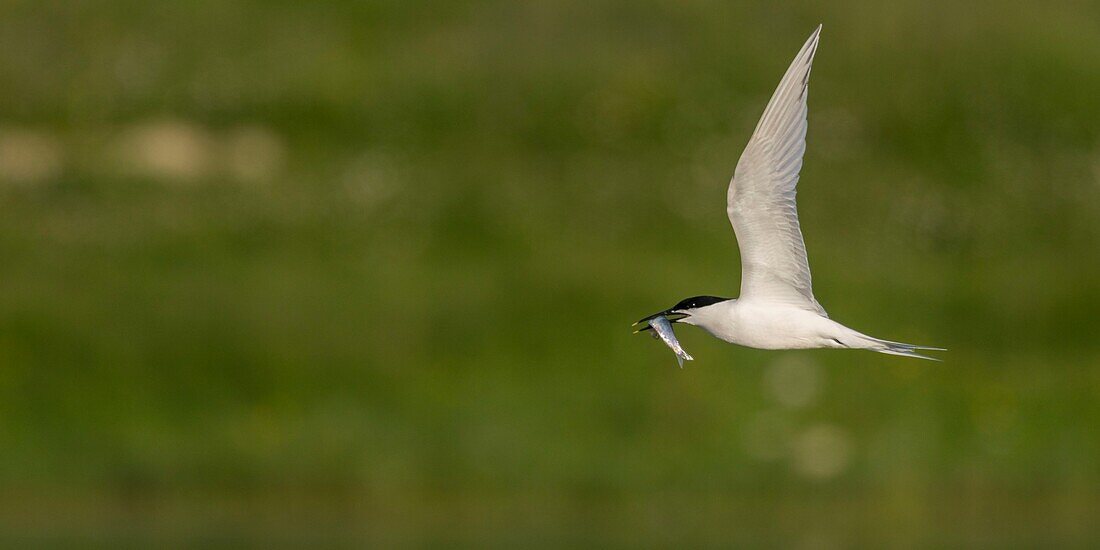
777, 308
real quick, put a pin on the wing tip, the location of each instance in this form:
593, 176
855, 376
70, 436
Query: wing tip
813, 40
816, 35
811, 44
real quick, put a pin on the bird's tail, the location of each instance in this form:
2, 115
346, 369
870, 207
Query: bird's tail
896, 348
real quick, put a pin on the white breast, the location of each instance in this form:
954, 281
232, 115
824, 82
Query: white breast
764, 325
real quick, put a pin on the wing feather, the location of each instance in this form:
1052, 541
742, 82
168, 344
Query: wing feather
761, 197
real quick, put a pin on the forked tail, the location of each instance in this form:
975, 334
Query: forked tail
897, 348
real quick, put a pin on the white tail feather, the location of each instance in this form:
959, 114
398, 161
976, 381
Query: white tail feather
895, 348
859, 341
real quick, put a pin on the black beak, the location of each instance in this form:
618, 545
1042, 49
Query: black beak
672, 316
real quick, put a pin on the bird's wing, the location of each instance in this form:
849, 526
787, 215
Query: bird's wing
761, 197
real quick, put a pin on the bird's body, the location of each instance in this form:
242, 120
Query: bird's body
777, 308
764, 325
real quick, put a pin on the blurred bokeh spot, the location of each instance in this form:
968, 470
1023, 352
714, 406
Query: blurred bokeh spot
29, 157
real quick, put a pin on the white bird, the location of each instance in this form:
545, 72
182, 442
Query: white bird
777, 308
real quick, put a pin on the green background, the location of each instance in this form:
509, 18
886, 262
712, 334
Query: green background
363, 273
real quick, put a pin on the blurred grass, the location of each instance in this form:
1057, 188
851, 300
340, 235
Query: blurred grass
363, 272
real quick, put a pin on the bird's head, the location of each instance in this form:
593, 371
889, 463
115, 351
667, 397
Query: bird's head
682, 312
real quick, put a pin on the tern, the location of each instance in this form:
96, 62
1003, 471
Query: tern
776, 308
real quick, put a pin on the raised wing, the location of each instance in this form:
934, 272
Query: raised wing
761, 198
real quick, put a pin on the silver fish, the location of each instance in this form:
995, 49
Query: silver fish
663, 329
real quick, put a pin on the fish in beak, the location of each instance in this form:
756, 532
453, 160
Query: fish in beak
662, 329
671, 314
